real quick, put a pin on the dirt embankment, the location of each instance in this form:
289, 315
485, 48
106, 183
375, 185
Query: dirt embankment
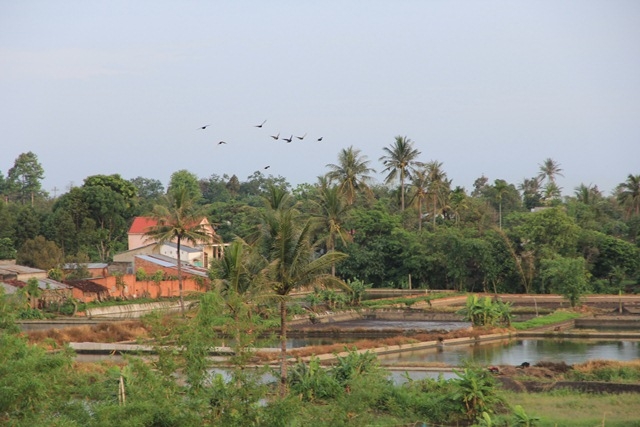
547, 376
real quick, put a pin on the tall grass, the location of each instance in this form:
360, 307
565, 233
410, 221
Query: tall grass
573, 409
606, 370
549, 319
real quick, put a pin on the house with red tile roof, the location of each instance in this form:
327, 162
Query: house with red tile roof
199, 255
136, 234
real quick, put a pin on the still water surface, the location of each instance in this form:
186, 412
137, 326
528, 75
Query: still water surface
514, 352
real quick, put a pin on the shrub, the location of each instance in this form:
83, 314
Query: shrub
141, 275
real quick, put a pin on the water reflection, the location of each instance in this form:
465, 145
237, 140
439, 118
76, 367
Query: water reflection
514, 352
506, 352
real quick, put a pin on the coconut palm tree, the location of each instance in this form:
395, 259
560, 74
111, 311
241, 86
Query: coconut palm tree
549, 170
179, 220
458, 203
419, 190
628, 194
589, 195
351, 173
438, 187
332, 212
400, 162
292, 263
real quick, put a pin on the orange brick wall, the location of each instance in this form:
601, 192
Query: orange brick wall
137, 289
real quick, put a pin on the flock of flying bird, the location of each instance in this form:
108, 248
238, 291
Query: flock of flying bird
275, 137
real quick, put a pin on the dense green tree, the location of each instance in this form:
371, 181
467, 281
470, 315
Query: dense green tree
566, 276
258, 185
480, 186
187, 180
27, 225
39, 253
148, 191
400, 161
214, 189
24, 178
179, 219
233, 186
110, 202
607, 256
550, 231
7, 250
377, 255
531, 196
351, 173
7, 220
3, 186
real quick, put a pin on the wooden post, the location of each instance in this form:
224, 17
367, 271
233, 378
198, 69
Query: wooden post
121, 394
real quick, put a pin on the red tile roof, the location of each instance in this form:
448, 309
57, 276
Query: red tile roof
141, 224
86, 286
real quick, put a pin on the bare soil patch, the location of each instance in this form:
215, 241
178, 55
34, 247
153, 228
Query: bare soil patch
107, 332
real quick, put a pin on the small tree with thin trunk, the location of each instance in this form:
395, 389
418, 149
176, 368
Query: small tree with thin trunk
179, 220
292, 262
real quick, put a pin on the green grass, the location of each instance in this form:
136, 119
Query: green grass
573, 409
549, 319
407, 301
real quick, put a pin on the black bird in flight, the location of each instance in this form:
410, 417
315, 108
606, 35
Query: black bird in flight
320, 139
222, 142
288, 140
204, 127
301, 137
276, 136
261, 124
267, 167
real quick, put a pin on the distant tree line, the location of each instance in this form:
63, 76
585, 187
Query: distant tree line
413, 230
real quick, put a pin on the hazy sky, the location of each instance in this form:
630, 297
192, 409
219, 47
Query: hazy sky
485, 87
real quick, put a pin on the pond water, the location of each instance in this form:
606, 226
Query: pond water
514, 352
383, 325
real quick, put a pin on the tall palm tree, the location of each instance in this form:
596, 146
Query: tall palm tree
400, 162
501, 187
179, 220
332, 212
438, 187
351, 173
292, 263
419, 190
629, 194
233, 273
549, 170
589, 195
458, 203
